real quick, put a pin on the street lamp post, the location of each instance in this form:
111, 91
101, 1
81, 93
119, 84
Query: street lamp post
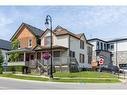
48, 22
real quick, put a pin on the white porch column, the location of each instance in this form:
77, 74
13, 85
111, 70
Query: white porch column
35, 56
24, 56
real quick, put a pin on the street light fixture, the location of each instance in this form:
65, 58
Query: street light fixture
48, 24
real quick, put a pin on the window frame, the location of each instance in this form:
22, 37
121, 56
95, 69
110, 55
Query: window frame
81, 58
81, 44
29, 40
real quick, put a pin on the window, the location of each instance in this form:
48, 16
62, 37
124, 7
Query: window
101, 46
30, 43
112, 47
47, 40
105, 47
39, 41
72, 54
108, 46
81, 44
81, 58
56, 54
97, 45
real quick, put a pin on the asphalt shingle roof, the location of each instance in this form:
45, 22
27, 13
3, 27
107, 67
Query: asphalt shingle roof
35, 30
6, 45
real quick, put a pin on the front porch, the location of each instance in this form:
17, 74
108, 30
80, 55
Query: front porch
34, 59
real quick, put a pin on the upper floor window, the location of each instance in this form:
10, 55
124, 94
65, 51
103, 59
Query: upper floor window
72, 54
81, 58
108, 46
30, 43
81, 44
105, 47
47, 40
112, 47
101, 46
97, 45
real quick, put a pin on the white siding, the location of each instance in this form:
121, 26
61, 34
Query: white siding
121, 46
57, 40
94, 45
75, 46
62, 41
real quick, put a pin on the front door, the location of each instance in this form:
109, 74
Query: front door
31, 56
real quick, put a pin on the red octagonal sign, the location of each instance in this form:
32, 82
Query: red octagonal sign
101, 61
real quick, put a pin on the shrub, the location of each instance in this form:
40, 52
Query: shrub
14, 68
1, 70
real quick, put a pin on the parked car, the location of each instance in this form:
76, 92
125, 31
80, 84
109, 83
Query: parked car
123, 68
109, 68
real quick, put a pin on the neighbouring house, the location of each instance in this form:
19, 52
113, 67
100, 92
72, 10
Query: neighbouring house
70, 51
101, 48
119, 50
5, 46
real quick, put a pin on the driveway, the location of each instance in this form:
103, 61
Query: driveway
9, 83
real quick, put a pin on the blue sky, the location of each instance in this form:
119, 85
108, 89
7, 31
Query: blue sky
105, 22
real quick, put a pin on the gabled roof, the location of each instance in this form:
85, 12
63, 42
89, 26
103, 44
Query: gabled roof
58, 31
79, 35
5, 45
35, 31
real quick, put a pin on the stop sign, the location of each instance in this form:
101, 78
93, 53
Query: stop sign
101, 61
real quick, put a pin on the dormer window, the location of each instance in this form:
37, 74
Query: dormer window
30, 43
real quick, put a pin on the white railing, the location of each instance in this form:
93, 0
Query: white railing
19, 63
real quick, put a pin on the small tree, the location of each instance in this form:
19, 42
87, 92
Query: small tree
14, 55
1, 61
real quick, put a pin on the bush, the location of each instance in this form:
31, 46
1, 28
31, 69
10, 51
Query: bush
1, 70
14, 68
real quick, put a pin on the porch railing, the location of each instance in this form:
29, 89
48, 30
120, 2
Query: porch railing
56, 61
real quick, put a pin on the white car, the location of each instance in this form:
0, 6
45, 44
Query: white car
123, 70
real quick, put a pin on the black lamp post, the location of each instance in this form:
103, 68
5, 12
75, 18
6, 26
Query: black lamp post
48, 24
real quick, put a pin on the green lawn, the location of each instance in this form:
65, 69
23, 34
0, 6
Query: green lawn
23, 77
71, 75
88, 80
84, 75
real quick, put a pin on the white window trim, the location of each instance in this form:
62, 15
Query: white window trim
28, 43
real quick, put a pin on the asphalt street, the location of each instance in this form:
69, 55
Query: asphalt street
13, 84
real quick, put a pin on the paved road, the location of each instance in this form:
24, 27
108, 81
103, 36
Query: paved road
8, 83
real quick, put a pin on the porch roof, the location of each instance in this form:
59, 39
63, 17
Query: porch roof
21, 50
47, 47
